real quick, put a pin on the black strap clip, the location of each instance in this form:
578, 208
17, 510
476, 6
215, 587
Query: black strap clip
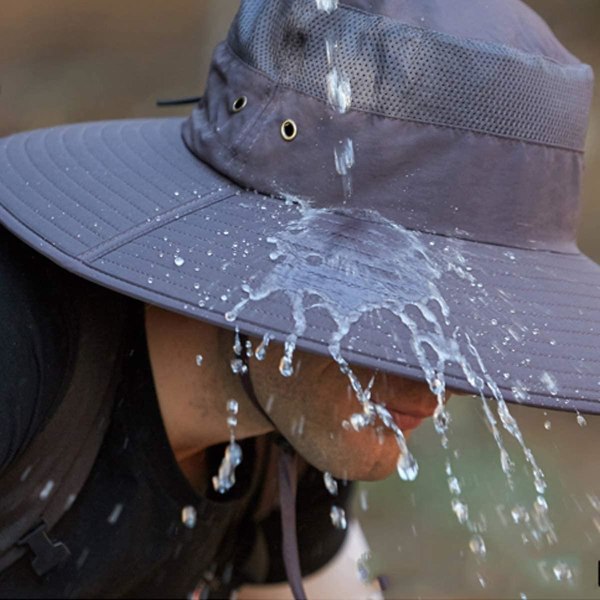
47, 554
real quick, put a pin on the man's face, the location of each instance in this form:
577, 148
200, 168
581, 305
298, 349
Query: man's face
310, 407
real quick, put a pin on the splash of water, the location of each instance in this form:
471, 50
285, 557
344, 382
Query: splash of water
320, 261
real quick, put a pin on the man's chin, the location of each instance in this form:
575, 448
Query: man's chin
366, 468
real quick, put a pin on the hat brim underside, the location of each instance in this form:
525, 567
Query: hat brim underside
126, 205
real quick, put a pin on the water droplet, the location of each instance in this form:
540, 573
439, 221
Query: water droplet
199, 359
286, 367
562, 572
441, 419
407, 467
339, 90
461, 510
261, 351
338, 517
453, 485
115, 514
519, 514
330, 484
150, 280
237, 344
506, 463
547, 425
327, 5
47, 490
225, 479
358, 421
238, 367
178, 260
70, 501
540, 504
363, 500
581, 421
344, 161
362, 566
594, 501
189, 516
477, 545
549, 382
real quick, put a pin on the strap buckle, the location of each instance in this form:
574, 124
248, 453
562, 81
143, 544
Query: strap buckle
47, 554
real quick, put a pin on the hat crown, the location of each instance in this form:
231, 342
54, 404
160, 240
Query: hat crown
478, 136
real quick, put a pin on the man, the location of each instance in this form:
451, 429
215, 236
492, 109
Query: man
390, 187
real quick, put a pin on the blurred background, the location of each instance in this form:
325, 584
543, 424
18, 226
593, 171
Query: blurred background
72, 60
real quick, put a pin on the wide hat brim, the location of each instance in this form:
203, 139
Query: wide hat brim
125, 204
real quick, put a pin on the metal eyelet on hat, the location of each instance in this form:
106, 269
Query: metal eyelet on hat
289, 130
239, 104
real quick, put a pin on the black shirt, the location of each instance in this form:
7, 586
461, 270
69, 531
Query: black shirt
125, 530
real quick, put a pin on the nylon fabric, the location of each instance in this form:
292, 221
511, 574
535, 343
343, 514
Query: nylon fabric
407, 72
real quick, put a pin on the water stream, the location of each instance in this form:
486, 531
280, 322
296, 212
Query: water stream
339, 96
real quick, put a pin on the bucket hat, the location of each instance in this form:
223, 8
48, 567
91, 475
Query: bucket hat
394, 183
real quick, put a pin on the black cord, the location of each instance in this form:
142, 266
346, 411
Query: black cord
288, 481
179, 101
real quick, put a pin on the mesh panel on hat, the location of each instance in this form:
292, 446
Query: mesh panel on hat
406, 72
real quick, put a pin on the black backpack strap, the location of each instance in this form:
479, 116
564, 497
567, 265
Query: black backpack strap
41, 485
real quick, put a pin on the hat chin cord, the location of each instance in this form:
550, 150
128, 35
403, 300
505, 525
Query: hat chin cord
288, 481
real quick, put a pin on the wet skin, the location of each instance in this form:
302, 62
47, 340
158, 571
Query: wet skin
307, 408
310, 408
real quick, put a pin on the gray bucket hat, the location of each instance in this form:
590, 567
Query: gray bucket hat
391, 182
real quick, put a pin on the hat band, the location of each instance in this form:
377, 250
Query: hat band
425, 177
405, 72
